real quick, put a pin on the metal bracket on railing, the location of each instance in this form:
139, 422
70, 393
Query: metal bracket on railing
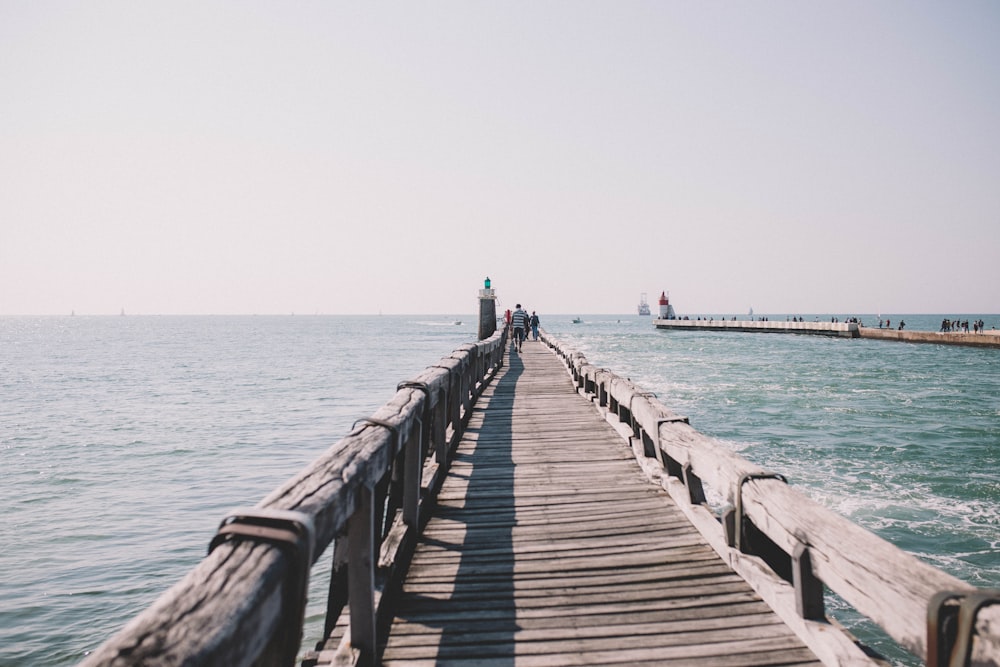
601, 388
631, 417
951, 624
643, 394
294, 534
413, 384
666, 420
422, 386
394, 428
942, 618
377, 422
672, 466
738, 522
967, 614
659, 450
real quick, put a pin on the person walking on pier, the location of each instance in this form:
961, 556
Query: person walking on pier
519, 320
534, 325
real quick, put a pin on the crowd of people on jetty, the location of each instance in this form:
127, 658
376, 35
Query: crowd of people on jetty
765, 318
947, 326
956, 325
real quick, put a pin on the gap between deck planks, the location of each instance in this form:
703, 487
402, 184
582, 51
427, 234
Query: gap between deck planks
548, 546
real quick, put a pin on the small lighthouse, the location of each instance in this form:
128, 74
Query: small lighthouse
487, 310
666, 310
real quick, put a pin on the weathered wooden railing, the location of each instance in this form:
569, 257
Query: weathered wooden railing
244, 603
788, 547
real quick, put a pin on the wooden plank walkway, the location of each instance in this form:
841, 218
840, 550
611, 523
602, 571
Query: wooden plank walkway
548, 546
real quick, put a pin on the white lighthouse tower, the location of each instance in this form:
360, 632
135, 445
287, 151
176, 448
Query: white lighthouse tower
666, 310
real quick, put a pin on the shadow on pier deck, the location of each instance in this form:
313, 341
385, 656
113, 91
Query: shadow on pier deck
549, 546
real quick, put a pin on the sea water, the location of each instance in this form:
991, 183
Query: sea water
124, 440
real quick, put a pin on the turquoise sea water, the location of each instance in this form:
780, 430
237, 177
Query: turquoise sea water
124, 440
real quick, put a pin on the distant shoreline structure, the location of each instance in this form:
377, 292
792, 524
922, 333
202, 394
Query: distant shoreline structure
989, 338
840, 329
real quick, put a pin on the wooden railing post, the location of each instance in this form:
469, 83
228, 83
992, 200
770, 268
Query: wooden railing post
808, 588
439, 433
413, 469
336, 599
361, 577
696, 492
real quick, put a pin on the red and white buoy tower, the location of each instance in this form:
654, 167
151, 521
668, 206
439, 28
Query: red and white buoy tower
666, 310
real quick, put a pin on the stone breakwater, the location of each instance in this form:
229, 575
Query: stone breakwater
841, 329
985, 339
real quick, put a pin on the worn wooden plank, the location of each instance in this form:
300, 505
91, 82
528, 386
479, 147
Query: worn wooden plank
708, 647
692, 632
732, 609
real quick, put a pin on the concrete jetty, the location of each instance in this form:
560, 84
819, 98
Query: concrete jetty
841, 329
985, 339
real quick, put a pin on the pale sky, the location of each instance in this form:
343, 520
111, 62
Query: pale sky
358, 157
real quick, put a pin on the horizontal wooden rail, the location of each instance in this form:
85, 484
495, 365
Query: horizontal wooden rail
785, 544
234, 607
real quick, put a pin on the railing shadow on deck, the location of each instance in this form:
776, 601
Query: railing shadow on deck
368, 494
789, 548
483, 581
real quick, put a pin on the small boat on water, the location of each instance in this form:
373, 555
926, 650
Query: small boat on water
643, 304
577, 320
458, 322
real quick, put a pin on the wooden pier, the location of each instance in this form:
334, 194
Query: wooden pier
549, 546
517, 509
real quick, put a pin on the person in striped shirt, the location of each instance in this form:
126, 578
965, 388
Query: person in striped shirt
519, 321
